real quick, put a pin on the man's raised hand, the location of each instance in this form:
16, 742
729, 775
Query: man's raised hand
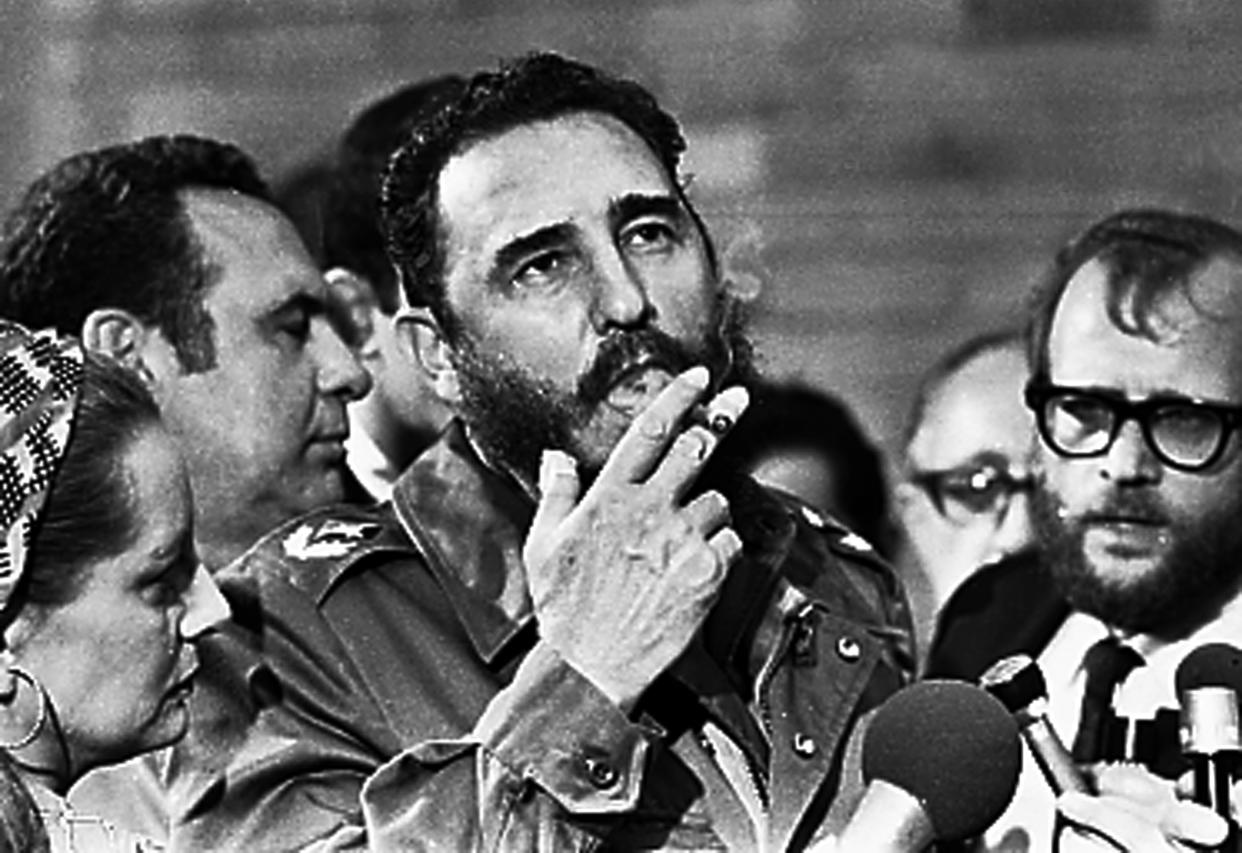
622, 579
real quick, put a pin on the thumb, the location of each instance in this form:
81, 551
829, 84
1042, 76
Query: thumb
558, 494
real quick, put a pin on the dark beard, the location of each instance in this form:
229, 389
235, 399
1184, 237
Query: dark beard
515, 416
1199, 573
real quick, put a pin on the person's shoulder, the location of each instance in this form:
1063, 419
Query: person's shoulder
817, 531
315, 551
843, 572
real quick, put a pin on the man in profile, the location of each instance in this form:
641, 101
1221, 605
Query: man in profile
564, 631
167, 254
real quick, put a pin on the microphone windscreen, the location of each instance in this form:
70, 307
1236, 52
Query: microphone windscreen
952, 746
1210, 665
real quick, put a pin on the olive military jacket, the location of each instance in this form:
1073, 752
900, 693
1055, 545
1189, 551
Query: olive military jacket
383, 685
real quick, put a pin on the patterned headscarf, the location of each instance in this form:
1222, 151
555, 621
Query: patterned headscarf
40, 378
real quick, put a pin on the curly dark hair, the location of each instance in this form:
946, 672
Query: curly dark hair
534, 88
1147, 253
108, 228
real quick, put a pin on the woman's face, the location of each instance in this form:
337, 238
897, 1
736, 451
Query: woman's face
117, 660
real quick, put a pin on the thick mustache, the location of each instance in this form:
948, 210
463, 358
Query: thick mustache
621, 353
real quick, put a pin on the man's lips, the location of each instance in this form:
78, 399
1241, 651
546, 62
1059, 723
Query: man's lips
331, 441
1124, 519
1127, 534
637, 386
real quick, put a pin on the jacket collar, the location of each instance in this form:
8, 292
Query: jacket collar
470, 522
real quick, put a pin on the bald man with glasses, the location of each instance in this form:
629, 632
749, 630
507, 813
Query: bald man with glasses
1135, 348
963, 494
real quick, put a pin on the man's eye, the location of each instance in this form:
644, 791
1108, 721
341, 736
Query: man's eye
977, 491
169, 587
542, 269
650, 235
296, 326
1086, 412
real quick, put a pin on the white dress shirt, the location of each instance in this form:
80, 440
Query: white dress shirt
1028, 822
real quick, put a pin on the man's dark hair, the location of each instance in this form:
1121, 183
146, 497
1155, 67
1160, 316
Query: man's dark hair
792, 416
351, 229
108, 228
535, 88
90, 512
1147, 253
947, 366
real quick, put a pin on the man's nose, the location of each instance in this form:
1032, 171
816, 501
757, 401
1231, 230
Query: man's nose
620, 298
340, 371
1130, 459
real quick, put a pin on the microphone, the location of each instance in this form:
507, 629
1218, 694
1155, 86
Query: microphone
1018, 683
1207, 682
941, 761
1210, 665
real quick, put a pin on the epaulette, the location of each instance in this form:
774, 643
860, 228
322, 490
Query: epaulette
839, 537
315, 550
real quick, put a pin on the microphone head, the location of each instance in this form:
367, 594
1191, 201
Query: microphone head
1017, 681
1210, 665
953, 747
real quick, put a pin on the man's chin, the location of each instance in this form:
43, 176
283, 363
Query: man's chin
1122, 567
322, 486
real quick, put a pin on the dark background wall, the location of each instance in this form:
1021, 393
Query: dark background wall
902, 169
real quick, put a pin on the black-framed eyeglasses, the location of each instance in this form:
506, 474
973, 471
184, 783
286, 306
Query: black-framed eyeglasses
969, 492
1184, 433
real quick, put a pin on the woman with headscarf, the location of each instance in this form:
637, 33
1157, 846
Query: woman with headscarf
101, 593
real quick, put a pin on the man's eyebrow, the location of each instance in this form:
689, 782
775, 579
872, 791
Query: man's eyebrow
632, 206
522, 247
312, 303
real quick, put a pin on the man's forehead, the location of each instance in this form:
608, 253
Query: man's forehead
228, 214
254, 241
537, 173
976, 411
1188, 340
1209, 300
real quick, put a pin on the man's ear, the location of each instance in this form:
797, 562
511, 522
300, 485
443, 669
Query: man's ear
119, 334
354, 309
418, 330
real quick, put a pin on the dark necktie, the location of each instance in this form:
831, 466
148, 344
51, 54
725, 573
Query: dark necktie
1107, 664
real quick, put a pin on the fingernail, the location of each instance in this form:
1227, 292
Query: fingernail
735, 397
552, 463
697, 376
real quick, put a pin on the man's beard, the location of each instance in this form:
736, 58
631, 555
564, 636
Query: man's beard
514, 416
1199, 572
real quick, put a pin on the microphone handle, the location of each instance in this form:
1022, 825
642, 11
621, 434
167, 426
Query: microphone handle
1213, 776
1054, 761
889, 819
